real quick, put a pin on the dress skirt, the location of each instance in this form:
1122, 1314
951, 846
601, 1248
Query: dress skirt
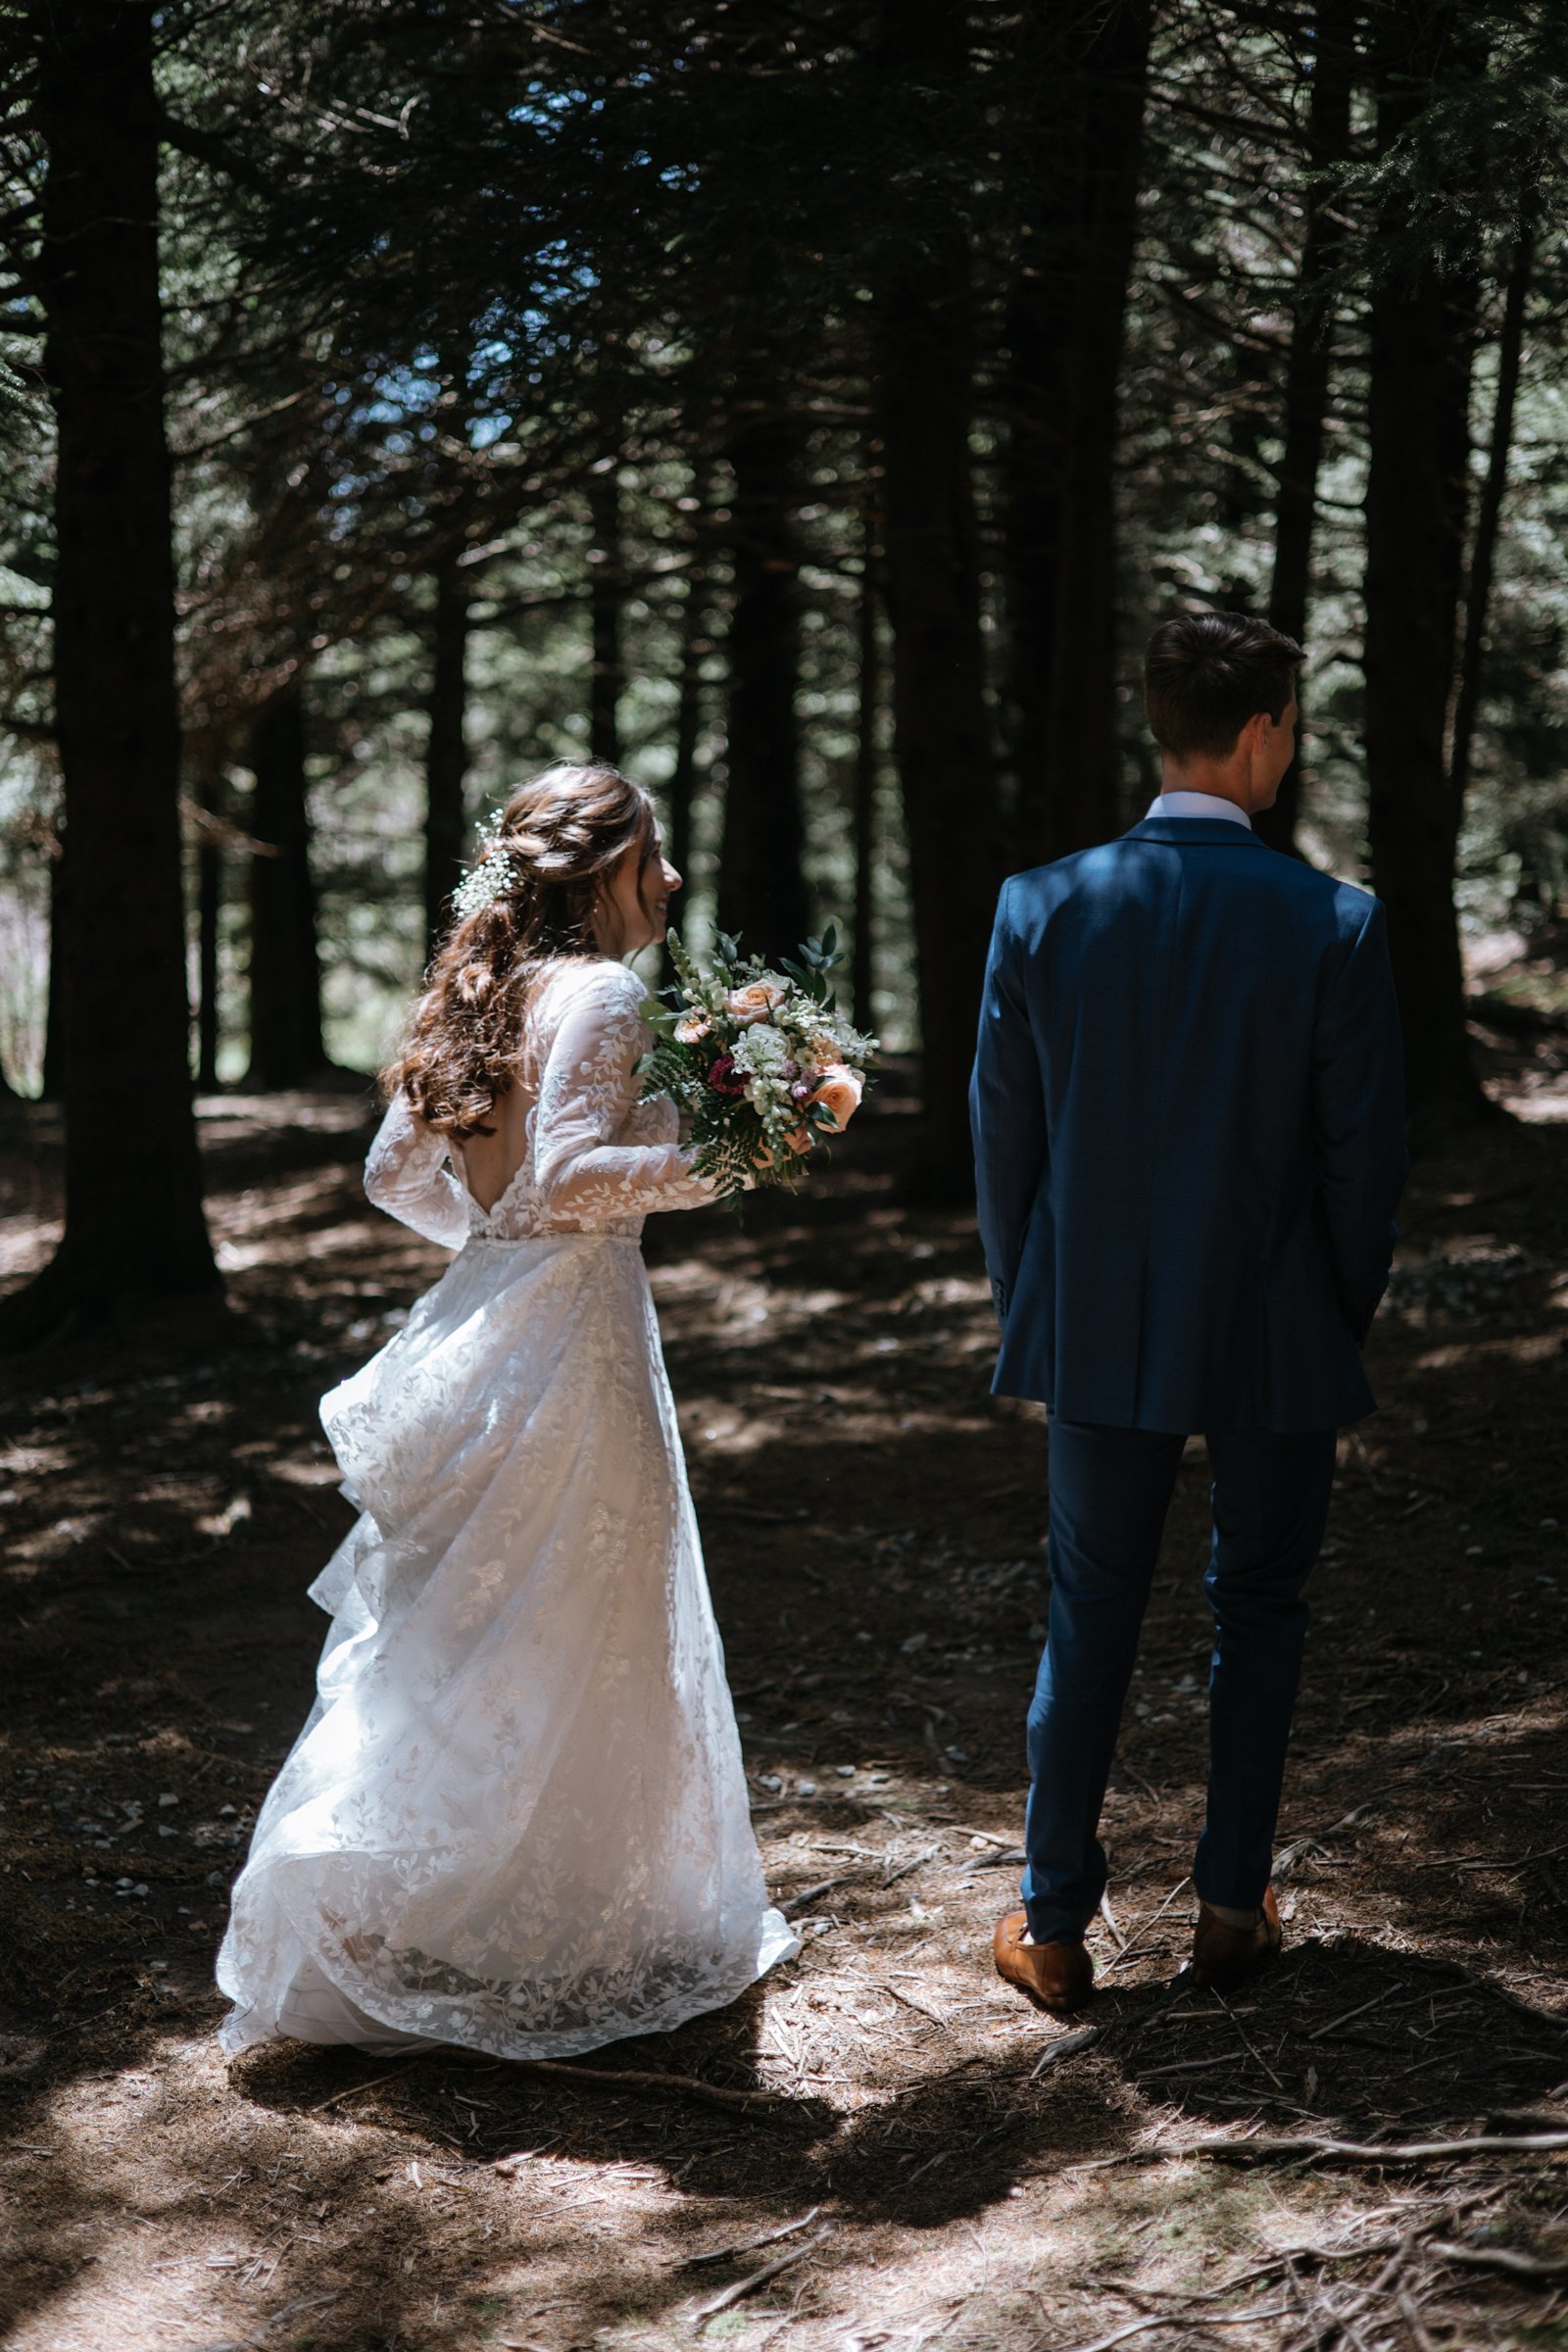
515, 1819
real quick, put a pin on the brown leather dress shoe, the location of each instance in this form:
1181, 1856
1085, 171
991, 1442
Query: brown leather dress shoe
1058, 1976
1224, 1956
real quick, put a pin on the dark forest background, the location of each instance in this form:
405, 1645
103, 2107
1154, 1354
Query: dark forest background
812, 408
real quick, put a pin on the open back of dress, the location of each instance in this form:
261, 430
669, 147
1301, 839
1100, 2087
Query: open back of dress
579, 1149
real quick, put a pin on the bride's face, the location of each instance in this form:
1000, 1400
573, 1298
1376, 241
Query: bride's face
634, 910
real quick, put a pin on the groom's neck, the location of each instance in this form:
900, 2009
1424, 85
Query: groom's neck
1227, 779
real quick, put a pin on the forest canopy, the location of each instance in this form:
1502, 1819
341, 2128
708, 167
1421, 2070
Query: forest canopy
810, 409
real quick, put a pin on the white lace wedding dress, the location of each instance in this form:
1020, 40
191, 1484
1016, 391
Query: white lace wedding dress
517, 1817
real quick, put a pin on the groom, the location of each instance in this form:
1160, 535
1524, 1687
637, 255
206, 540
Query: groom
1190, 1143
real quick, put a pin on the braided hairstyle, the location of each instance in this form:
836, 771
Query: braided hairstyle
560, 834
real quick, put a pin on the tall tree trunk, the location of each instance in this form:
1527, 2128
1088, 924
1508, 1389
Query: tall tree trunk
1307, 370
1483, 550
54, 1024
1085, 72
762, 883
1422, 327
446, 757
607, 602
209, 908
681, 791
286, 1008
924, 348
134, 1226
862, 966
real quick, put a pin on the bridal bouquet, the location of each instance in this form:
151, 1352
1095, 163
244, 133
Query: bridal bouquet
761, 1062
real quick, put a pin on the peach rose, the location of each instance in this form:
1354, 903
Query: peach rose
756, 1001
838, 1091
691, 1026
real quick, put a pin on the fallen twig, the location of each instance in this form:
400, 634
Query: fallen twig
1247, 2040
1287, 1854
750, 2246
1066, 2046
1140, 1939
1267, 2269
1378, 1998
1413, 2323
1503, 2258
998, 1860
902, 1870
745, 2286
809, 1895
1547, 1853
597, 2078
1176, 2319
376, 2081
1188, 2066
909, 2002
1305, 2146
1357, 2151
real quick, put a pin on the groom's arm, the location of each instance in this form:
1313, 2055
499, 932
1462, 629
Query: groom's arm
1007, 1112
1358, 1111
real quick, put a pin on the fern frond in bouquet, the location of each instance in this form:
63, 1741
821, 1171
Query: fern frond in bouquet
762, 1063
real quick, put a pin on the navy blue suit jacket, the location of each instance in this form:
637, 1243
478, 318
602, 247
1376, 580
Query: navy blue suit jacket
1188, 1107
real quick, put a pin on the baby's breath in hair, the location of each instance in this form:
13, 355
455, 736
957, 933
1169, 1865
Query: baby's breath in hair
493, 876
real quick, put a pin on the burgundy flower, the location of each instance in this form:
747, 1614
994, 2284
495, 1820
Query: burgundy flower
723, 1079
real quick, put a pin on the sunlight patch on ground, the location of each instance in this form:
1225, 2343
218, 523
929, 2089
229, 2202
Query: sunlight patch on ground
1531, 1348
28, 1243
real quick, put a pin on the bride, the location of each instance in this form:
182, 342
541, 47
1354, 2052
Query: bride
515, 1817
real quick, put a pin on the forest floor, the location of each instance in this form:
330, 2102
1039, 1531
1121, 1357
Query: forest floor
933, 2168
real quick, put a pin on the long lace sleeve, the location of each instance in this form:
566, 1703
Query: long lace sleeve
586, 1169
407, 1174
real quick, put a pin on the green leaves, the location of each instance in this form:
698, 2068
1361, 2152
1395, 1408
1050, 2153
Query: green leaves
818, 957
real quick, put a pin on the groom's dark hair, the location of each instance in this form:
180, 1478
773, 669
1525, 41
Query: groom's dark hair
1205, 674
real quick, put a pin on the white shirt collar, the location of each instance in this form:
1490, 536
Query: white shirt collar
1197, 803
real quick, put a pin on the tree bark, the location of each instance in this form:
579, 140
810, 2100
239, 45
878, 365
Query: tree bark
1085, 74
285, 1007
681, 791
1489, 517
1422, 325
53, 1086
1308, 369
761, 881
862, 962
134, 1224
924, 358
446, 757
209, 908
607, 601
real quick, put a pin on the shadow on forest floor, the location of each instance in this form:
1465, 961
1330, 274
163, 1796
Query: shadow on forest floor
932, 2162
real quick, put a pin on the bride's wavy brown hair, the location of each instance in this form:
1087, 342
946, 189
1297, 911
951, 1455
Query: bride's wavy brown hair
562, 832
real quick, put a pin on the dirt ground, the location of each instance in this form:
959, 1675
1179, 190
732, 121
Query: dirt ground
881, 2145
